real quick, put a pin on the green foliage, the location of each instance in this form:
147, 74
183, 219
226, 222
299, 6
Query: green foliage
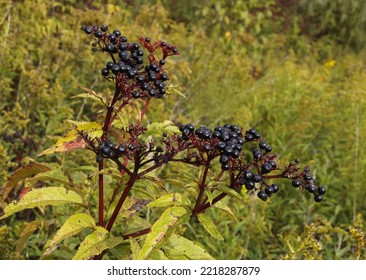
287, 70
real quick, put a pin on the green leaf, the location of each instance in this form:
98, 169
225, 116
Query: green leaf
73, 225
230, 192
179, 248
73, 140
21, 173
209, 226
96, 243
222, 206
166, 200
162, 229
42, 197
158, 129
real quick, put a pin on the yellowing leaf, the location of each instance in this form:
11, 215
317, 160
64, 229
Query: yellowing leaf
162, 229
180, 248
52, 175
42, 197
73, 140
96, 243
73, 225
222, 205
166, 200
209, 226
230, 192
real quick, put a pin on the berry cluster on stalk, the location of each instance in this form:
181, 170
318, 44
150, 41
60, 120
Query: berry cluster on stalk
227, 142
139, 74
139, 81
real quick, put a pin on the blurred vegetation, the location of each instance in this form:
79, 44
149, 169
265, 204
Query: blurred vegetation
295, 70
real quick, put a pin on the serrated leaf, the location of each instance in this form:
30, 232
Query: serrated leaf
180, 248
209, 226
73, 140
42, 197
23, 172
162, 229
166, 200
230, 192
73, 225
95, 243
158, 128
52, 175
222, 206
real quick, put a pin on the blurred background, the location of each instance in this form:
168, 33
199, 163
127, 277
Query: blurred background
294, 70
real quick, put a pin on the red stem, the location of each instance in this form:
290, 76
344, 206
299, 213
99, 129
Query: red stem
144, 110
201, 186
101, 196
121, 200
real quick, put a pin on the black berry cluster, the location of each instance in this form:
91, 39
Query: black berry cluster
107, 149
307, 182
127, 65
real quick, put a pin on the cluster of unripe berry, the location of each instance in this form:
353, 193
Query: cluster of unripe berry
143, 81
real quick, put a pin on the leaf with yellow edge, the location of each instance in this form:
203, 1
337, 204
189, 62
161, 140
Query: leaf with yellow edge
209, 226
179, 248
73, 140
96, 243
162, 230
73, 225
42, 197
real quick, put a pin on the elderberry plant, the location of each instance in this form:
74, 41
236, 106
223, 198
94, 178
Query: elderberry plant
233, 161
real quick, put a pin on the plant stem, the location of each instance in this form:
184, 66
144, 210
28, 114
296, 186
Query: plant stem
208, 204
144, 110
107, 122
101, 196
201, 186
137, 233
121, 200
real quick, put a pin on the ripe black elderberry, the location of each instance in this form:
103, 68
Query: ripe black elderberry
103, 27
262, 195
321, 190
318, 198
266, 167
296, 183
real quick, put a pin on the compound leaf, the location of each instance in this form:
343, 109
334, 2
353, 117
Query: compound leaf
73, 225
42, 197
209, 226
162, 229
95, 243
